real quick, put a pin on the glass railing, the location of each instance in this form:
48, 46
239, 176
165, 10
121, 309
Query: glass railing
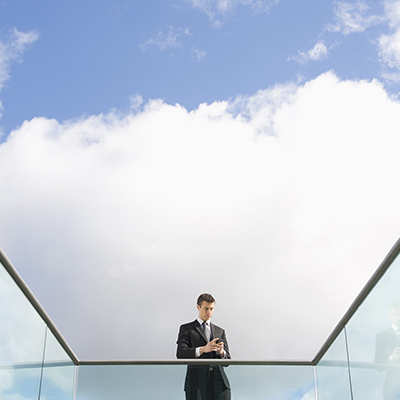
364, 360
167, 381
361, 359
33, 364
332, 372
373, 346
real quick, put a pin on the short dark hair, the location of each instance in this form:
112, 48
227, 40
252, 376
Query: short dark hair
205, 297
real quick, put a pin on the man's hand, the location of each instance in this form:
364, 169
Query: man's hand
213, 346
396, 354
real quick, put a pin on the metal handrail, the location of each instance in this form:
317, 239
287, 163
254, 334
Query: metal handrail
191, 361
37, 306
378, 274
386, 263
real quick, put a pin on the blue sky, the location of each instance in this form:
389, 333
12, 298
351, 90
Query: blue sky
189, 146
91, 56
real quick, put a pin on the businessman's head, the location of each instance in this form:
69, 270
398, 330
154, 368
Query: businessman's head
205, 305
395, 312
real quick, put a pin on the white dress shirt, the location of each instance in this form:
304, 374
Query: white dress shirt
208, 326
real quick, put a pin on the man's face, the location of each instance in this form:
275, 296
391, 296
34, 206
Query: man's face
395, 316
206, 310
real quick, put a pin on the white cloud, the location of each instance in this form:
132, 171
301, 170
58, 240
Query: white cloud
119, 10
349, 18
135, 101
172, 40
358, 17
353, 17
389, 44
317, 53
11, 50
269, 202
259, 109
391, 77
198, 54
392, 13
219, 10
167, 41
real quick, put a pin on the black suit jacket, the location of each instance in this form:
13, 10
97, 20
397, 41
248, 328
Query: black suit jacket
190, 337
386, 342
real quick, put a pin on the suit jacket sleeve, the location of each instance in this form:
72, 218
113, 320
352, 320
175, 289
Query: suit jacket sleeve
185, 349
226, 347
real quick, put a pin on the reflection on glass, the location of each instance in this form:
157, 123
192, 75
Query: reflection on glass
374, 347
22, 330
125, 382
22, 334
387, 353
332, 372
58, 373
260, 382
20, 383
165, 382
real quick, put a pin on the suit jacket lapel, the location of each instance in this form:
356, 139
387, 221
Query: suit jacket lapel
395, 337
200, 330
213, 333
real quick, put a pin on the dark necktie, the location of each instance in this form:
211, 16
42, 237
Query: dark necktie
206, 330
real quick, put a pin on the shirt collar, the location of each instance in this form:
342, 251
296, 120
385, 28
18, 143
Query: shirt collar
200, 321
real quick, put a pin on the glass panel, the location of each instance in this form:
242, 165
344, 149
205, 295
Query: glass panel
167, 382
22, 330
130, 381
260, 382
22, 333
58, 373
374, 360
333, 373
21, 383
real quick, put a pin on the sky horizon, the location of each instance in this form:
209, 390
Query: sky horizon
153, 151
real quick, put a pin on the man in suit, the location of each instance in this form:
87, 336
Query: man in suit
202, 339
387, 353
